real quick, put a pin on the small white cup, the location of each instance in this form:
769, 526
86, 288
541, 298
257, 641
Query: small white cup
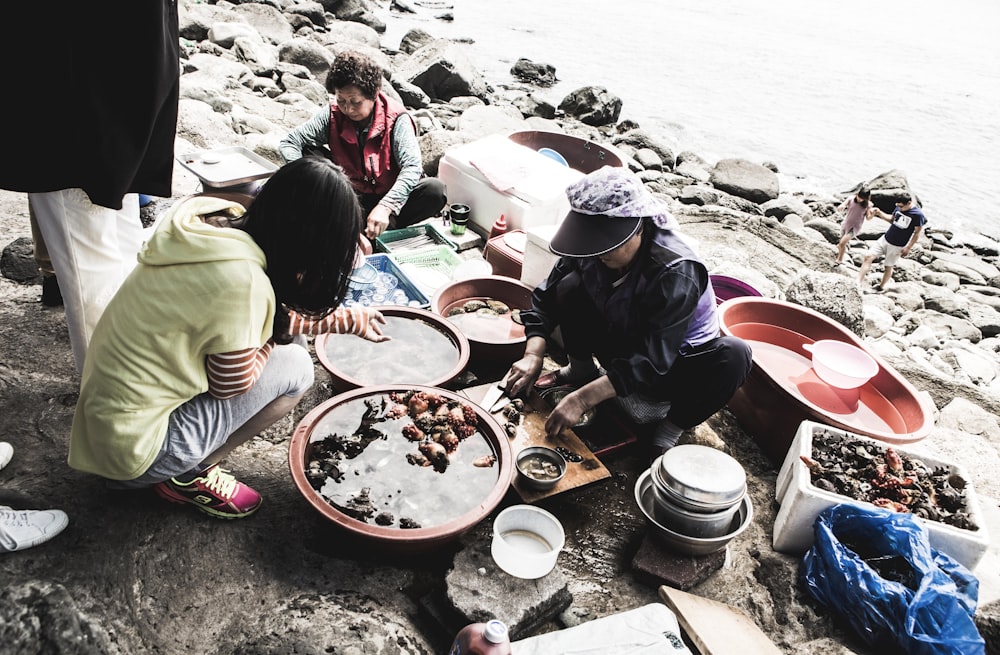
526, 541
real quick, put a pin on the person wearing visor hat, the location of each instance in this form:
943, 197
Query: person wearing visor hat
629, 291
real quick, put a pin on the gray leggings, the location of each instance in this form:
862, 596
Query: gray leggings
202, 425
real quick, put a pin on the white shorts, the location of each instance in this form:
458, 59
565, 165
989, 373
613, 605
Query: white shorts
882, 247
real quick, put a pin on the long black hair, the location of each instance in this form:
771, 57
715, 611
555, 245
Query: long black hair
307, 221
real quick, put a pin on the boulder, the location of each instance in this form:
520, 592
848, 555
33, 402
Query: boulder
530, 104
313, 11
18, 261
745, 179
592, 105
443, 70
832, 295
886, 189
784, 205
413, 40
271, 24
352, 35
224, 34
308, 53
258, 56
640, 140
943, 325
543, 75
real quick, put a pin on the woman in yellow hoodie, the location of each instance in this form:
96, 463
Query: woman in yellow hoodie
203, 347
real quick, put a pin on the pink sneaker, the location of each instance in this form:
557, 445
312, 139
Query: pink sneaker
214, 492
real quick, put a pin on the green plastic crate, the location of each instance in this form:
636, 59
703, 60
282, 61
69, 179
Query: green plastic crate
415, 237
436, 265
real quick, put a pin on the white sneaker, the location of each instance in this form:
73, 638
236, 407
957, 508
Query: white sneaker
24, 528
6, 452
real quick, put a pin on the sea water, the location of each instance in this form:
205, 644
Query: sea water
833, 93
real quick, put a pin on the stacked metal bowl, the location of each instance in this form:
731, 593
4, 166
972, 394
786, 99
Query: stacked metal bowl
695, 499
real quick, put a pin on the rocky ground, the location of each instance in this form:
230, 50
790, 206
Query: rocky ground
132, 574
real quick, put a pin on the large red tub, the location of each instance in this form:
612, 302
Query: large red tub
783, 390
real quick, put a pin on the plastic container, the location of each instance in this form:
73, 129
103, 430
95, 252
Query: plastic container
413, 238
429, 268
840, 364
801, 502
359, 291
490, 638
526, 541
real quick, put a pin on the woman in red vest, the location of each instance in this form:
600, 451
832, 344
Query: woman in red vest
372, 138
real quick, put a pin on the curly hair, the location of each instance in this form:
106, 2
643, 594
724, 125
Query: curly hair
354, 68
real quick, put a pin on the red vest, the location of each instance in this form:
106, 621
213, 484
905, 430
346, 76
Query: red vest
370, 169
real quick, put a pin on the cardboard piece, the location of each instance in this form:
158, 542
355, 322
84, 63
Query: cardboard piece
716, 628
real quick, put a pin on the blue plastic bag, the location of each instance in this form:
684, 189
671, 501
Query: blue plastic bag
876, 568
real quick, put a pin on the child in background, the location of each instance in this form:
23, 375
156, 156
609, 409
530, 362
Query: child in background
857, 209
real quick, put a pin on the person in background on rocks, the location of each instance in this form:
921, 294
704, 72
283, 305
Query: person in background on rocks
371, 137
630, 291
857, 209
204, 347
82, 149
906, 223
24, 528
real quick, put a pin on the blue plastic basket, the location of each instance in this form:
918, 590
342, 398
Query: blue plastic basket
383, 264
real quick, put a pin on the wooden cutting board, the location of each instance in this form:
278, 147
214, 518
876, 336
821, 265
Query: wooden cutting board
531, 432
716, 628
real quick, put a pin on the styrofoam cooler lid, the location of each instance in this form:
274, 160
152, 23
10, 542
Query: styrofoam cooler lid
533, 177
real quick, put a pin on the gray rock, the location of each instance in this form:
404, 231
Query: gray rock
259, 57
313, 11
592, 105
877, 321
530, 104
640, 140
699, 195
203, 127
443, 70
745, 179
942, 300
224, 34
943, 325
784, 205
886, 189
966, 274
311, 89
40, 612
693, 170
987, 270
949, 281
483, 120
543, 75
434, 144
17, 262
270, 23
829, 229
351, 35
208, 90
648, 159
413, 40
832, 295
480, 591
411, 95
358, 11
986, 319
308, 53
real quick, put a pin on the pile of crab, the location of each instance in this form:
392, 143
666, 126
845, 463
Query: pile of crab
868, 472
439, 426
488, 307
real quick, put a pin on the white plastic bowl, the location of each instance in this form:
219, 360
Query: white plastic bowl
526, 541
840, 364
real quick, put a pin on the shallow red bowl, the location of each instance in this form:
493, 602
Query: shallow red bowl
345, 380
783, 389
390, 539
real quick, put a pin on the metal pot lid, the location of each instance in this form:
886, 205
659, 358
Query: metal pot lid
701, 474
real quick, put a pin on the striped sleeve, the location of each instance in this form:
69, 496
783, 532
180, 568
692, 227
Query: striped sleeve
234, 373
343, 320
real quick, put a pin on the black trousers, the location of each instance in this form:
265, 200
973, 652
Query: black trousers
699, 383
427, 199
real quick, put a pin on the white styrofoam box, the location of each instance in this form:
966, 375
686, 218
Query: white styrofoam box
537, 191
801, 502
538, 259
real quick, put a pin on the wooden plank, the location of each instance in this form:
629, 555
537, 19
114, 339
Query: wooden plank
531, 432
716, 628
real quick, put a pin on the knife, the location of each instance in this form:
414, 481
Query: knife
496, 397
